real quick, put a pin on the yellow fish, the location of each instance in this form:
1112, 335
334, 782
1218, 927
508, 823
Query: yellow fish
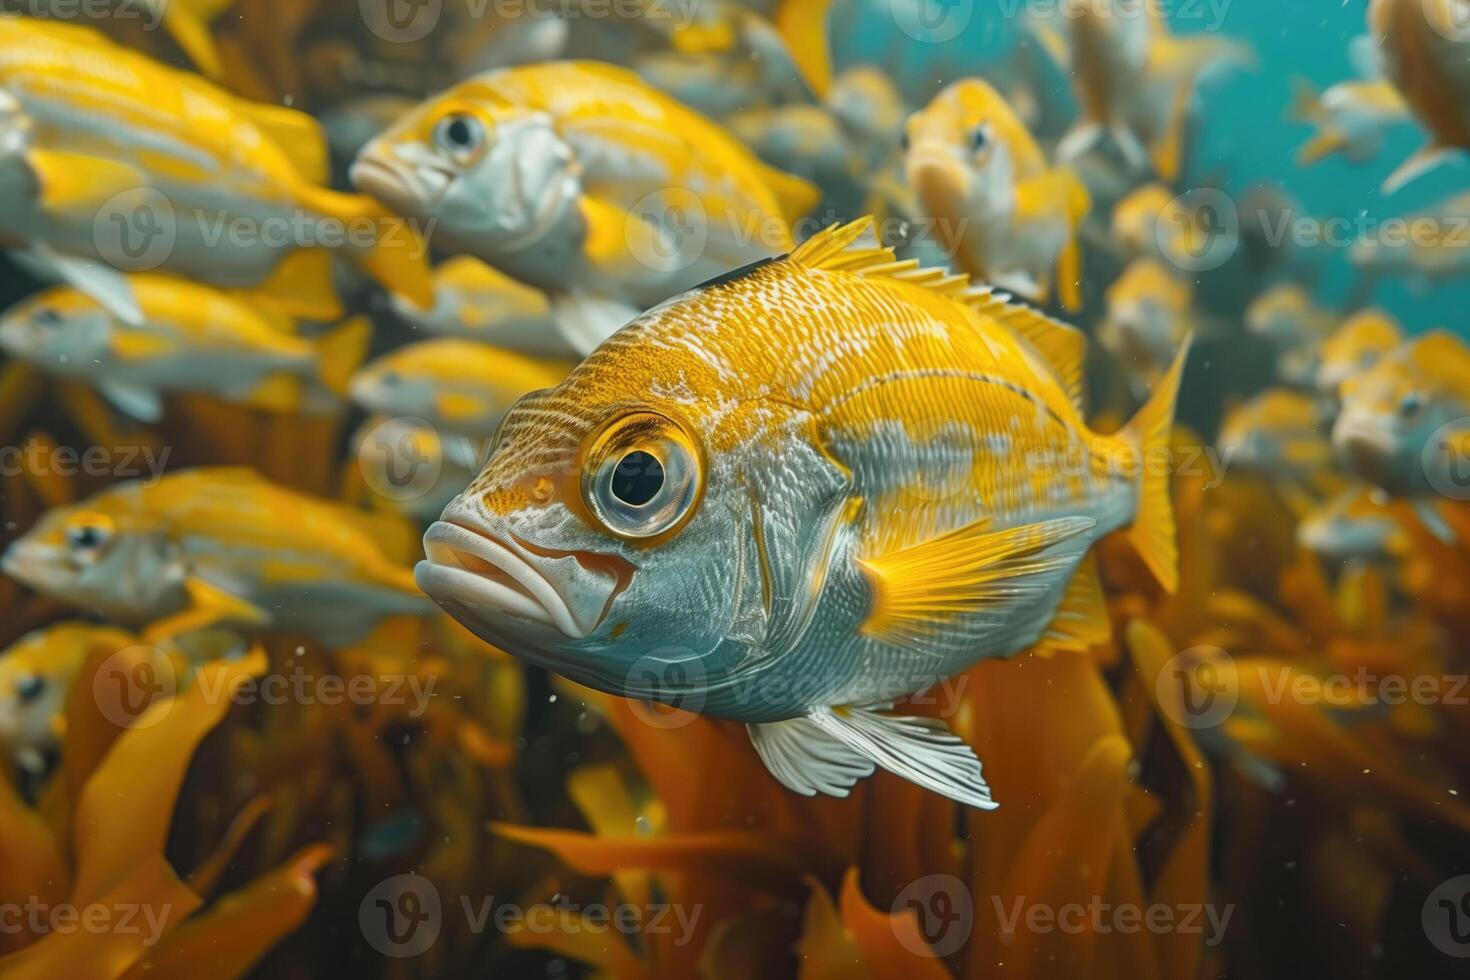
1426, 55
1425, 248
461, 386
1135, 81
1351, 119
581, 179
192, 338
207, 547
1287, 318
477, 301
1357, 525
36, 674
735, 507
1361, 342
110, 157
1004, 214
1150, 315
1280, 434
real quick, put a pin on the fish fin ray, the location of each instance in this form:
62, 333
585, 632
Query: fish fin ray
969, 570
1063, 347
807, 760
106, 285
585, 321
1152, 533
922, 750
143, 404
1419, 164
1081, 619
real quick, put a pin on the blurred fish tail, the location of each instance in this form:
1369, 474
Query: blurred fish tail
341, 352
1152, 533
803, 24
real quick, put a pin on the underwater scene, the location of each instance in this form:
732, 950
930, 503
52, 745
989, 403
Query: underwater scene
735, 489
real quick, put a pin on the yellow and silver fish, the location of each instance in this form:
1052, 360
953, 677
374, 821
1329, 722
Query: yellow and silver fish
1425, 53
1289, 319
794, 525
210, 547
1361, 342
1357, 525
1429, 247
1150, 314
1280, 434
1004, 214
477, 301
1352, 119
192, 338
110, 160
581, 179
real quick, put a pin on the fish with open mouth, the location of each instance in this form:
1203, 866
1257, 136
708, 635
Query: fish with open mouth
733, 506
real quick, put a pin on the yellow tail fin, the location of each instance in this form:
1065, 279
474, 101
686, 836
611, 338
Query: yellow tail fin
803, 24
1152, 533
341, 352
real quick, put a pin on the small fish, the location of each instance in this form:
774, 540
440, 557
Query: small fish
208, 547
1004, 214
1287, 318
1135, 82
1352, 119
871, 109
1405, 423
581, 179
461, 386
1355, 526
477, 301
1423, 49
36, 674
810, 142
193, 338
794, 526
168, 136
1361, 342
1150, 314
1280, 434
1434, 245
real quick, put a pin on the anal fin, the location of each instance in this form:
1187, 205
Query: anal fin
807, 760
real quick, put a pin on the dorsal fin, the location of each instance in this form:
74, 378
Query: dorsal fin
851, 248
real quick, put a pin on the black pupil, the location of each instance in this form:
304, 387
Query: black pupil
638, 478
87, 537
48, 318
29, 687
459, 132
977, 139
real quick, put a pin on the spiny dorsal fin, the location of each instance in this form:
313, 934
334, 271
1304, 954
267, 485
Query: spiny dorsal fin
852, 248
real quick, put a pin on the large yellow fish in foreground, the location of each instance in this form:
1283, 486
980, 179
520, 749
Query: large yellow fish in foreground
581, 179
208, 547
801, 492
110, 157
1426, 54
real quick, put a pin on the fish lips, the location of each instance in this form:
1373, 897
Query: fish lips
489, 578
404, 187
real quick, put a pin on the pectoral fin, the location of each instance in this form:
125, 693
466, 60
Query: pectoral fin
231, 607
970, 570
143, 404
832, 748
585, 321
101, 282
1082, 619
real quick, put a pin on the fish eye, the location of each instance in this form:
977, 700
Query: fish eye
643, 477
461, 136
87, 539
903, 140
46, 317
1411, 405
979, 137
29, 687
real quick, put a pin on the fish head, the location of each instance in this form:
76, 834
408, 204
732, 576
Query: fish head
1356, 526
110, 553
36, 674
965, 152
61, 327
395, 385
1404, 421
1279, 315
614, 523
482, 169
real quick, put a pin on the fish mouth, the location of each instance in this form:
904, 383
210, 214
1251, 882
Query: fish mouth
471, 569
1363, 442
402, 186
35, 566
